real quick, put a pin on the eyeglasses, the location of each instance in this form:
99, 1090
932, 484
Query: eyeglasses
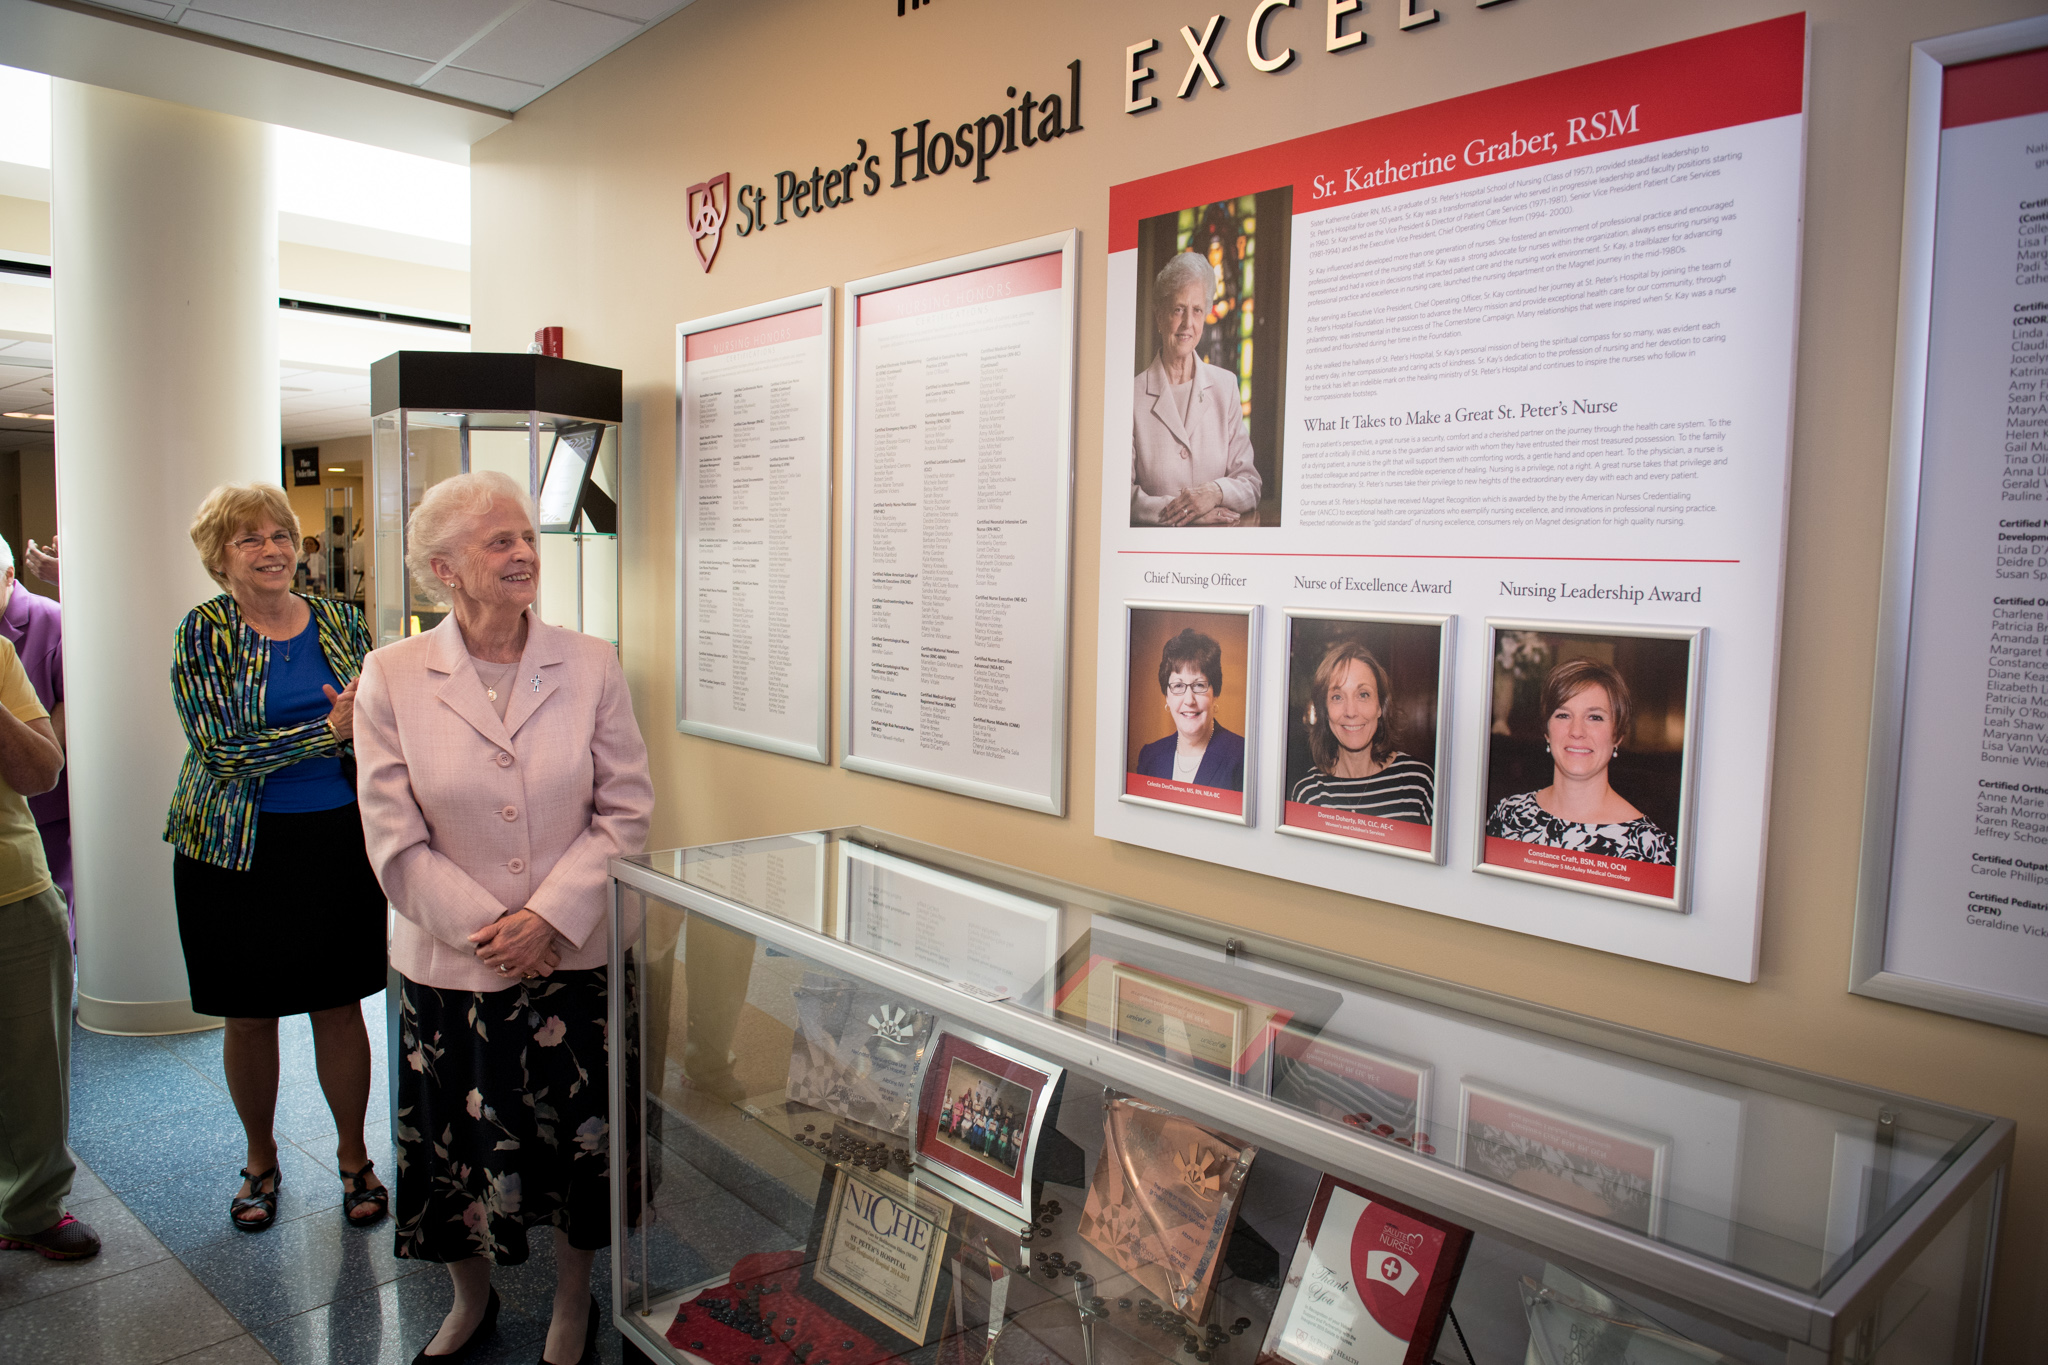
249, 545
1200, 687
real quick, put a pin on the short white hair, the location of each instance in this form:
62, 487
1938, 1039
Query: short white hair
1180, 272
442, 522
6, 555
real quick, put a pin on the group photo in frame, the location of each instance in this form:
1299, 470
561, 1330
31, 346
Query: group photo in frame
1612, 1172
1367, 731
1591, 732
1209, 385
1190, 701
981, 1107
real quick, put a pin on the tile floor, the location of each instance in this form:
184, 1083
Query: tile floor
159, 1146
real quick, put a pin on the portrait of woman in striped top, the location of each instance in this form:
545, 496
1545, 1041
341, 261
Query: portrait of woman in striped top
1355, 764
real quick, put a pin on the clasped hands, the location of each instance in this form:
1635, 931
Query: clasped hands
520, 944
1199, 506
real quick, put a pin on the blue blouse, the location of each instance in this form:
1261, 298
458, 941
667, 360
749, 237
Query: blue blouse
293, 696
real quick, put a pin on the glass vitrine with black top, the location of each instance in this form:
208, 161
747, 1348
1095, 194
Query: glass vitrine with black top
874, 1100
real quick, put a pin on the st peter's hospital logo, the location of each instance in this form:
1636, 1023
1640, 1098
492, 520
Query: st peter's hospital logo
706, 205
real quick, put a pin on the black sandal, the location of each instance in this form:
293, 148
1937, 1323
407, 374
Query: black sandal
266, 1203
354, 1196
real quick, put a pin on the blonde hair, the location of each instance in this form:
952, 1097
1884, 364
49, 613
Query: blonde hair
227, 510
442, 520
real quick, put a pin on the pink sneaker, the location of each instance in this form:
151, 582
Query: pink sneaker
69, 1240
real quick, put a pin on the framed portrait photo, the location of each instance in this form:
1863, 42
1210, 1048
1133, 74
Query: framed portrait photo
1590, 743
879, 1258
1370, 1282
981, 1106
1613, 1172
1190, 700
1368, 730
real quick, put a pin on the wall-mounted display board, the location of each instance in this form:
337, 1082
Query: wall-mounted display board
1952, 911
1520, 362
954, 549
754, 525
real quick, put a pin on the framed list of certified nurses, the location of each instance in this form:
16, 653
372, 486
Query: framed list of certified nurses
957, 527
753, 523
1952, 909
1484, 408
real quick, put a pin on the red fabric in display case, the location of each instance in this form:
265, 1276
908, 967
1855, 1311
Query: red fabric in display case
764, 1287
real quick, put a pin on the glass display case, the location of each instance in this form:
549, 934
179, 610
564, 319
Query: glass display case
878, 1099
549, 423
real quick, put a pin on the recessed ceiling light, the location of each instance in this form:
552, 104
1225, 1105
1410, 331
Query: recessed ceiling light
32, 416
336, 469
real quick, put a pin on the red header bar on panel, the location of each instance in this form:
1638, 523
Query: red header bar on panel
1996, 88
747, 336
1032, 275
1721, 80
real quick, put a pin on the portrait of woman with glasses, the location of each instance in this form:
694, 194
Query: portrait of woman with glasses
1199, 752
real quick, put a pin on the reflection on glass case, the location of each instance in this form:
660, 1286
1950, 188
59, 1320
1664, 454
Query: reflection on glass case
550, 424
877, 1100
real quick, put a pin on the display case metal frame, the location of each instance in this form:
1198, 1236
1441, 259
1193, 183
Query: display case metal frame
1812, 1327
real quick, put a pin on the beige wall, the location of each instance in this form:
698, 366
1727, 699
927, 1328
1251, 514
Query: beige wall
753, 86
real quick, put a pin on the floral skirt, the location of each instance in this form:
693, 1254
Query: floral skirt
502, 1117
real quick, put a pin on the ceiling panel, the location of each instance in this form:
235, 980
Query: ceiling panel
364, 61
478, 88
499, 53
430, 30
543, 38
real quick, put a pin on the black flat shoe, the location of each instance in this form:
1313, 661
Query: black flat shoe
265, 1203
589, 1356
468, 1348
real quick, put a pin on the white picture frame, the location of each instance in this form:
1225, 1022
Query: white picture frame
810, 743
1040, 785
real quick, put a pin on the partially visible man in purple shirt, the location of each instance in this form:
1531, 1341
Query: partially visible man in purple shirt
35, 626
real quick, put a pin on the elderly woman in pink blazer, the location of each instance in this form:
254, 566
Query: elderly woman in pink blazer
1191, 457
499, 768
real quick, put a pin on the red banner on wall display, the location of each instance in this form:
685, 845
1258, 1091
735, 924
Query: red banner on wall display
1013, 279
796, 325
1649, 879
1184, 794
1348, 824
1743, 75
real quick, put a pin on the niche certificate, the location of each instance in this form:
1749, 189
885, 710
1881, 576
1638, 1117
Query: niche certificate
753, 515
959, 467
883, 1248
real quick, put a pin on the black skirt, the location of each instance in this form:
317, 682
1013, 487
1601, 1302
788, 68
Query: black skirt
301, 930
503, 1117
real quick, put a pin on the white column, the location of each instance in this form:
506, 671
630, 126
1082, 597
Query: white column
164, 258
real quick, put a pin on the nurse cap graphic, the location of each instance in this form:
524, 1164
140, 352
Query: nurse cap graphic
1389, 1255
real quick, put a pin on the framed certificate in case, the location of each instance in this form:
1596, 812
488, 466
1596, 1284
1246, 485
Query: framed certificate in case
879, 1258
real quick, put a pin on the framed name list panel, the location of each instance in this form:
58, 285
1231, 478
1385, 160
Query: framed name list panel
753, 525
955, 547
1952, 908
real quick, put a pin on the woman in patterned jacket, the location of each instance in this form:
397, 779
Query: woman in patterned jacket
1586, 714
278, 910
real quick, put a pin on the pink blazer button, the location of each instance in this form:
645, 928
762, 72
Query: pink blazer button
504, 760
517, 865
510, 812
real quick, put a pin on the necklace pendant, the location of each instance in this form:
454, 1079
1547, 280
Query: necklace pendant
491, 692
